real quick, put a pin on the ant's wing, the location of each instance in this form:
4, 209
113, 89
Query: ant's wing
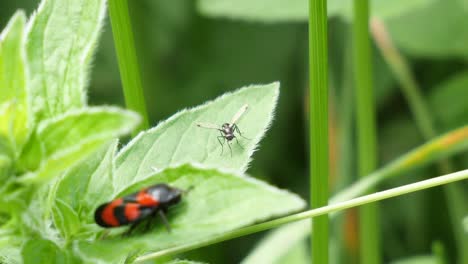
208, 125
239, 113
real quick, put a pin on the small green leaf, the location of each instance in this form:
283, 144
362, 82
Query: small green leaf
178, 140
68, 138
82, 188
61, 41
218, 202
14, 113
65, 218
297, 10
43, 251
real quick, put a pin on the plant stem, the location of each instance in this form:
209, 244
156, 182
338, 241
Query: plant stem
318, 124
127, 58
366, 199
367, 154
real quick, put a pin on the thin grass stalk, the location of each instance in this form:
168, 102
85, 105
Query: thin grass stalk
127, 59
318, 124
425, 123
369, 232
314, 213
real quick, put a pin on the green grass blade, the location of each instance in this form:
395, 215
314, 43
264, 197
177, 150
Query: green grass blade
127, 57
367, 146
371, 198
318, 120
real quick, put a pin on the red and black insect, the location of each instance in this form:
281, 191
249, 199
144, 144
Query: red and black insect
136, 207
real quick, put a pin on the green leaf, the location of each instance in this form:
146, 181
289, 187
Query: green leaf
276, 244
297, 10
179, 140
218, 202
61, 41
5, 167
297, 255
68, 138
43, 251
10, 254
66, 219
88, 184
447, 21
14, 114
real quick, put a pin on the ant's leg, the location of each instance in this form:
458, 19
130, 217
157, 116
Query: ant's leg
221, 143
236, 128
230, 149
239, 143
164, 219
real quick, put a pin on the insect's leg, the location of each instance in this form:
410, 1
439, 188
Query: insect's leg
236, 128
104, 235
164, 219
221, 143
130, 230
239, 143
230, 149
145, 215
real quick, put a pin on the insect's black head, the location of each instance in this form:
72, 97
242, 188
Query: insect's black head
165, 194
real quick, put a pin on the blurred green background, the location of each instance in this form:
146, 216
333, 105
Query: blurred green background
188, 58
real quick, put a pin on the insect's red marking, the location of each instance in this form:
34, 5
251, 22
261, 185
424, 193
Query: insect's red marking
108, 215
144, 198
132, 211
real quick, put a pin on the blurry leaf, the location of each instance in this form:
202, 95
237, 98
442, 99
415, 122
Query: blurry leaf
14, 113
5, 167
179, 140
66, 219
43, 251
179, 261
219, 202
437, 30
66, 139
417, 260
61, 41
276, 244
9, 254
439, 252
448, 101
465, 223
297, 255
297, 10
81, 189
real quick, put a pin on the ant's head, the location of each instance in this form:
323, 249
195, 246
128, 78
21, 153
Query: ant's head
226, 126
